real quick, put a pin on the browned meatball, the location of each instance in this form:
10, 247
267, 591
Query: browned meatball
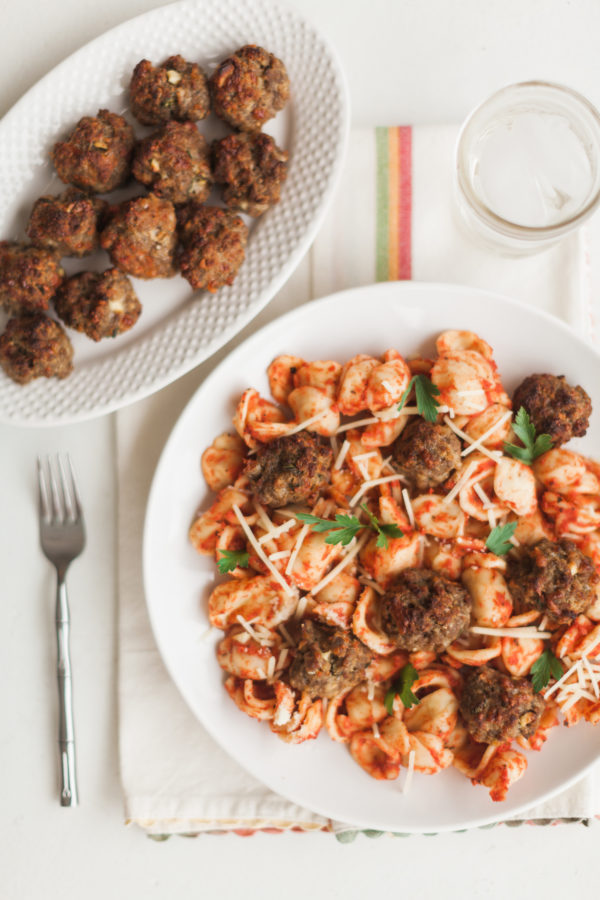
291, 469
98, 304
66, 223
251, 168
97, 154
556, 578
33, 346
499, 708
174, 90
327, 660
554, 407
249, 87
213, 246
423, 610
174, 163
426, 453
141, 236
29, 277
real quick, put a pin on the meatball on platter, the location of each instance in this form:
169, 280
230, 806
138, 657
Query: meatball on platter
331, 609
139, 112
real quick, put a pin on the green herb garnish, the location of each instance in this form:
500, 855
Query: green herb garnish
525, 431
344, 528
231, 559
545, 667
383, 530
341, 531
425, 394
498, 541
402, 686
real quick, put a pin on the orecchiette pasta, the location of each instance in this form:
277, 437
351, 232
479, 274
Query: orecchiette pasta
340, 602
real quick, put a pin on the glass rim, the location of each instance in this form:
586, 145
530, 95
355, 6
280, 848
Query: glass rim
500, 224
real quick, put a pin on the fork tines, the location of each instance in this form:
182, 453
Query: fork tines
58, 494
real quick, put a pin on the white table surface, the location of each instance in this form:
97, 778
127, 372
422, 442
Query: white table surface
406, 61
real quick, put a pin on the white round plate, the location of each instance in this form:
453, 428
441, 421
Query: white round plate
177, 330
320, 774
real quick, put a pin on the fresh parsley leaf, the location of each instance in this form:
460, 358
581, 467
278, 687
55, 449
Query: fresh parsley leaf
317, 523
383, 530
231, 559
545, 667
340, 532
402, 686
344, 528
425, 393
498, 541
533, 446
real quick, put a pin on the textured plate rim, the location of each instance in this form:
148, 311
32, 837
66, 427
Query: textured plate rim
270, 289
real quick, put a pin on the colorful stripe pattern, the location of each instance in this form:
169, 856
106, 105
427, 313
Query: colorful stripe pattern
394, 203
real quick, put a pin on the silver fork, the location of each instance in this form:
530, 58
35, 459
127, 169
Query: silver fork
62, 536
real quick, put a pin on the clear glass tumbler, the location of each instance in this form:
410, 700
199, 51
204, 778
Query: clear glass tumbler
528, 166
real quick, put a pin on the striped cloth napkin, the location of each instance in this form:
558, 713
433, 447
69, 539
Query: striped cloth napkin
393, 218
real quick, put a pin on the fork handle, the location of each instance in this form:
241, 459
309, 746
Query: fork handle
66, 731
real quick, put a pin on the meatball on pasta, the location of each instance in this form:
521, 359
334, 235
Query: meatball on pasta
290, 469
426, 453
424, 610
497, 707
555, 407
554, 577
327, 660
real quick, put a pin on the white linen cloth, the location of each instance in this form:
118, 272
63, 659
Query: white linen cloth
175, 777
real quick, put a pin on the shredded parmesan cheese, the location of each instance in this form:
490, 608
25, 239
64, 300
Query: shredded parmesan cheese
286, 635
280, 554
248, 628
375, 728
368, 582
482, 496
494, 455
408, 507
524, 632
367, 485
370, 690
461, 482
341, 455
409, 772
341, 565
282, 658
276, 531
299, 541
364, 455
357, 424
261, 553
301, 607
263, 517
271, 667
477, 444
302, 425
